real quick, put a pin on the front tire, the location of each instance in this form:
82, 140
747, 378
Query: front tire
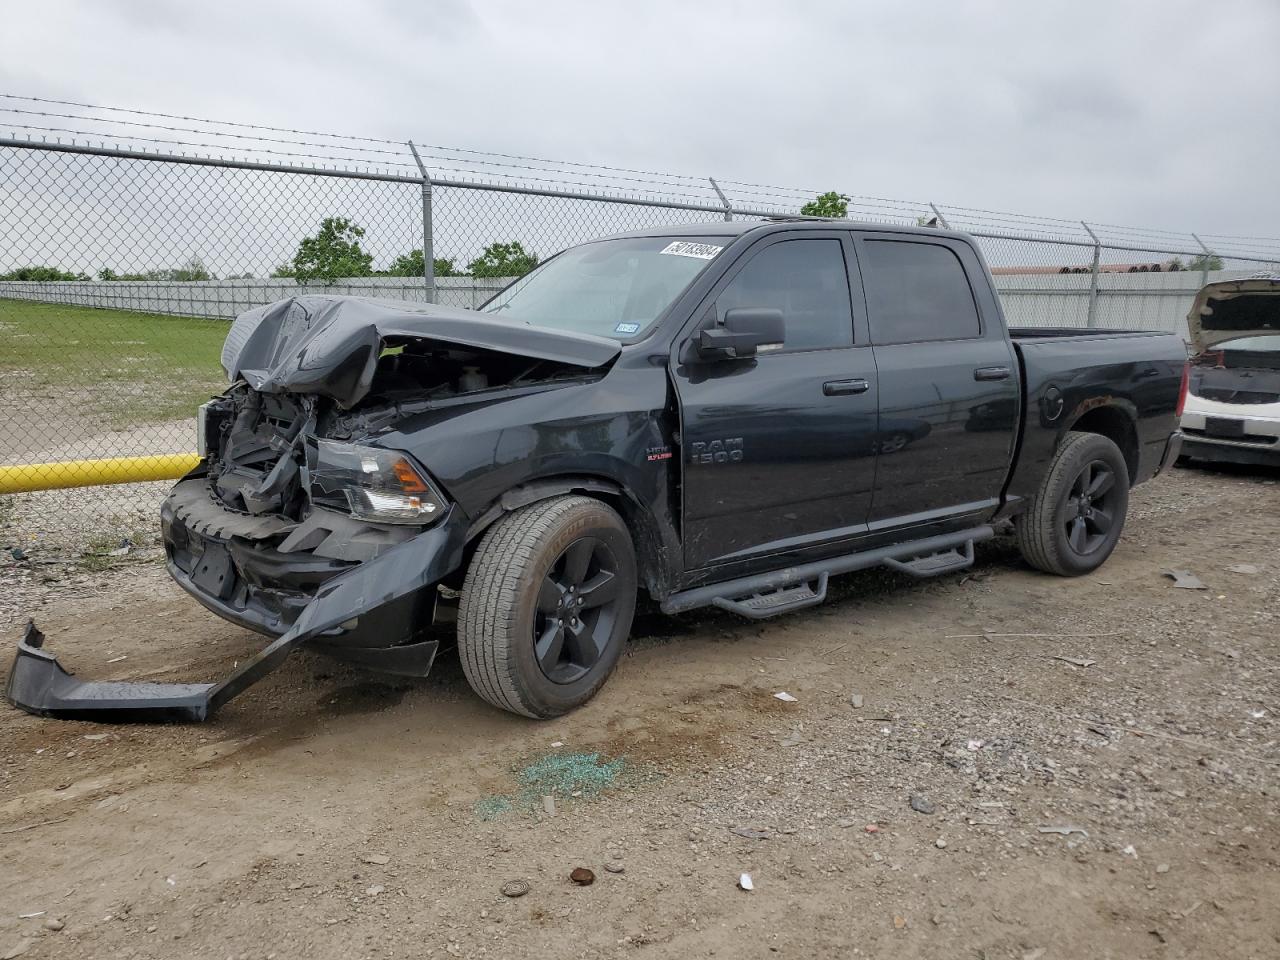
1075, 518
547, 605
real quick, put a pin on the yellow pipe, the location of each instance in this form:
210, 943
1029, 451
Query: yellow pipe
90, 473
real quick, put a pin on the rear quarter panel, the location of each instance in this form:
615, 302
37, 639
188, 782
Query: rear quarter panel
1068, 376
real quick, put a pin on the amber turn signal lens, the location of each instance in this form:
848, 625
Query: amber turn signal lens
410, 481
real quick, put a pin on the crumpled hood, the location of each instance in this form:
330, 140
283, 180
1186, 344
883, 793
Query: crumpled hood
329, 346
1227, 309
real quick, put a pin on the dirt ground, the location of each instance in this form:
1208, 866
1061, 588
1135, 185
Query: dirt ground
1122, 802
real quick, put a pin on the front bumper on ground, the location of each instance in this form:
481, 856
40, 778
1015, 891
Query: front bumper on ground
39, 684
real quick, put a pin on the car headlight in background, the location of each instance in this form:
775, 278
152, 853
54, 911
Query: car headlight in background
373, 484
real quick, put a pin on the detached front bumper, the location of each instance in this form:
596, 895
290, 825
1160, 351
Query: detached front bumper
38, 683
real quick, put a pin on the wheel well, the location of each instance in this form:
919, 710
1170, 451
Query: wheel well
651, 557
1117, 426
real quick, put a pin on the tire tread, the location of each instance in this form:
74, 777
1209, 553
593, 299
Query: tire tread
488, 613
1036, 529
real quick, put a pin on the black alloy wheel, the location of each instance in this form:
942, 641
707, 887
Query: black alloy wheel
1074, 520
1089, 511
578, 605
547, 604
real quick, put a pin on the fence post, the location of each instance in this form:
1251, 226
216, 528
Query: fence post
428, 244
728, 209
1093, 278
941, 219
1204, 264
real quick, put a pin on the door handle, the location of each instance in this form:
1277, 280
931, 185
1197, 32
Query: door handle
992, 373
835, 388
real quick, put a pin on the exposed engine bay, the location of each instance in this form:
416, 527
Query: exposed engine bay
262, 448
298, 523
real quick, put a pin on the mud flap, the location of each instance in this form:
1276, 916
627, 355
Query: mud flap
38, 683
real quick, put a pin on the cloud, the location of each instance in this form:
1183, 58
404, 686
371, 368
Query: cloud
1152, 114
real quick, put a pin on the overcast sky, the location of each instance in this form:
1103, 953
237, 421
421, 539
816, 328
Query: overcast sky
1152, 114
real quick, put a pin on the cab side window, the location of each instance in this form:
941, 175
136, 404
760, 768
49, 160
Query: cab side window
917, 292
806, 280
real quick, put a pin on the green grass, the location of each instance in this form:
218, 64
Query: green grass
129, 368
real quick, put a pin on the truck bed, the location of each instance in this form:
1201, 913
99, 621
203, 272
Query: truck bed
1070, 373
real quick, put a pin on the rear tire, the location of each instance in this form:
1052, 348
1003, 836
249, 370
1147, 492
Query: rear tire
547, 605
1075, 518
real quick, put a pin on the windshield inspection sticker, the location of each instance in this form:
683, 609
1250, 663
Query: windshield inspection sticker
684, 248
627, 328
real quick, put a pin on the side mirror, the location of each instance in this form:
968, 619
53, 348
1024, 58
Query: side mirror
745, 331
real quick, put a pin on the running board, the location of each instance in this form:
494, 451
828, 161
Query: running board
761, 606
780, 591
935, 564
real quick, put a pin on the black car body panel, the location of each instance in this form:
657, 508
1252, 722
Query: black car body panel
329, 346
724, 468
1126, 381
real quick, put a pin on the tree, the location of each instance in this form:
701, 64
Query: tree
193, 269
333, 253
830, 204
410, 265
1205, 261
503, 260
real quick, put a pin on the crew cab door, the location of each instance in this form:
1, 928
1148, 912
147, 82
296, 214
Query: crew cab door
778, 450
949, 387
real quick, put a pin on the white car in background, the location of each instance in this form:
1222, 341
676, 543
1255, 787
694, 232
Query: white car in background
1232, 411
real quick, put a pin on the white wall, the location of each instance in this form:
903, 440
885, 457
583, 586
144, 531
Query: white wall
227, 298
1130, 301
1134, 301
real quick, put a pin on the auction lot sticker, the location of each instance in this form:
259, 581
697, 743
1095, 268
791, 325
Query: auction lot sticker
684, 248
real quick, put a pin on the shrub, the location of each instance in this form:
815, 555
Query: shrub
42, 274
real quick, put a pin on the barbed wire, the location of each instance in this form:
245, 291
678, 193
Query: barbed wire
498, 168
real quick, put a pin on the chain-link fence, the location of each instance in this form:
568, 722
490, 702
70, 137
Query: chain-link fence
120, 264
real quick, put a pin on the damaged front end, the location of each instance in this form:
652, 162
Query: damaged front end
39, 684
299, 523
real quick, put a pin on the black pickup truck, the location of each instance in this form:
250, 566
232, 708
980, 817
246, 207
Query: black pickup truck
722, 414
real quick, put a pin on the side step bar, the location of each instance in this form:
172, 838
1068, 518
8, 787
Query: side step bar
935, 564
761, 606
780, 591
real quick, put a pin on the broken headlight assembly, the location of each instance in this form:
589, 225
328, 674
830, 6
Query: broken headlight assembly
373, 484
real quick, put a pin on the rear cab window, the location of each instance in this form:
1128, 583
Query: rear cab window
917, 291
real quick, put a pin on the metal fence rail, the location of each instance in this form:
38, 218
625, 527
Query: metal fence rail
117, 264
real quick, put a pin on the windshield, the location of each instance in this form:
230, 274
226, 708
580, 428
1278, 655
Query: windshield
611, 288
1265, 343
